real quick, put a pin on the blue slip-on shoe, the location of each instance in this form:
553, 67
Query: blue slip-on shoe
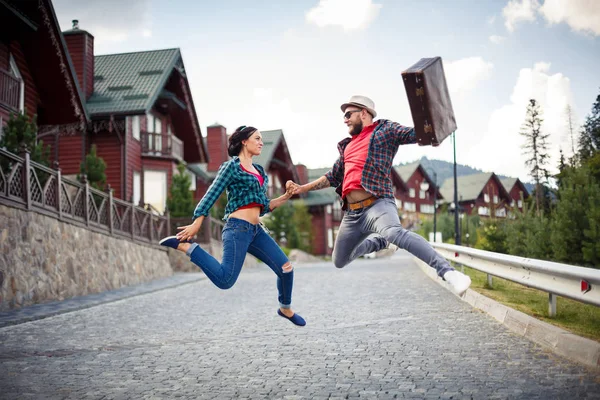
172, 242
296, 319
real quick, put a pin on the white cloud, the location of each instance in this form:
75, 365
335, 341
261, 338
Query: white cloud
348, 14
491, 20
497, 39
580, 15
553, 93
518, 11
463, 75
107, 20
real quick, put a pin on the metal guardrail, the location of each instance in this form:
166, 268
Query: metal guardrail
30, 186
576, 283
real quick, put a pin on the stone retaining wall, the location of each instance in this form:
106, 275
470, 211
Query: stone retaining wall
43, 259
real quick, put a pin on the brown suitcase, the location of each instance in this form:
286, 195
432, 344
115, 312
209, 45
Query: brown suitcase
429, 101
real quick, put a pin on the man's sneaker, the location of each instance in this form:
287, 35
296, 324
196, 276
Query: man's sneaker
388, 251
458, 281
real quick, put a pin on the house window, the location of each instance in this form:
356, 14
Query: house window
192, 179
495, 199
150, 123
137, 187
486, 197
169, 133
15, 71
427, 208
398, 203
155, 189
421, 194
501, 212
512, 203
411, 192
328, 208
329, 238
520, 203
483, 211
135, 127
410, 206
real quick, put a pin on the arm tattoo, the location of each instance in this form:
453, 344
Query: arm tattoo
320, 183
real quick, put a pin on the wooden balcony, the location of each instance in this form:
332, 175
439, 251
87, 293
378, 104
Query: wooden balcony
162, 145
10, 90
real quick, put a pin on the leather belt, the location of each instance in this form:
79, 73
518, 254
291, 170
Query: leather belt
362, 204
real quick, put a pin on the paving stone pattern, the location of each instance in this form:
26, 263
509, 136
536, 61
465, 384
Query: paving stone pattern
375, 329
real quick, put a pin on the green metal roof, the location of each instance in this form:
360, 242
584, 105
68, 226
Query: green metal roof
200, 169
320, 197
406, 171
270, 141
469, 186
316, 173
508, 183
130, 82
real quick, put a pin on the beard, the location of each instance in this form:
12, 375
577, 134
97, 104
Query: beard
356, 129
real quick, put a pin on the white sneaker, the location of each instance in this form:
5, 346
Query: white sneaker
388, 251
458, 281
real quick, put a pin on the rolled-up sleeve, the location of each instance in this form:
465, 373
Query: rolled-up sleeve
222, 180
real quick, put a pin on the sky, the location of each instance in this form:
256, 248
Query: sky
283, 64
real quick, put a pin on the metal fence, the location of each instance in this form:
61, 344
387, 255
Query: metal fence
31, 186
577, 283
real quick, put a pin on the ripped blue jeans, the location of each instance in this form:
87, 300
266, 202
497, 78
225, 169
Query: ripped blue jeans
241, 237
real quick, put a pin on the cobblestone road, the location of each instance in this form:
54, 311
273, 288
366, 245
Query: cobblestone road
376, 329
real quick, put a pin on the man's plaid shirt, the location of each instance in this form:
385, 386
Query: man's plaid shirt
376, 178
242, 188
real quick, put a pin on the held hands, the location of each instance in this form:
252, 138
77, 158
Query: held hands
293, 188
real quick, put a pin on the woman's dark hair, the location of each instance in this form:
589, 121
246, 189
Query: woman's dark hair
235, 140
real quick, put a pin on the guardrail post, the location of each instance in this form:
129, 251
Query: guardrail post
552, 304
110, 210
59, 192
26, 177
132, 221
489, 281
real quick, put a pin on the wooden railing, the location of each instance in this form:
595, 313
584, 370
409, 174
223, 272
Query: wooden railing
160, 144
31, 186
10, 90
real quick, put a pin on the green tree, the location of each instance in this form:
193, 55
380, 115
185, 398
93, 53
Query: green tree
302, 234
570, 216
281, 224
19, 132
591, 241
493, 236
181, 199
94, 168
536, 149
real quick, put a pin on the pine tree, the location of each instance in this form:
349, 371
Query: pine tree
21, 132
536, 149
589, 141
570, 127
94, 168
181, 199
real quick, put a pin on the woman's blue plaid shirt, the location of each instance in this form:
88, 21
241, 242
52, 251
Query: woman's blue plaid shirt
376, 178
242, 188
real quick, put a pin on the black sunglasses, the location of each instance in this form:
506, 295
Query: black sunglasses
348, 114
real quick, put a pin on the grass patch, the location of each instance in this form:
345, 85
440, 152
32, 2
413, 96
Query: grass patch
579, 318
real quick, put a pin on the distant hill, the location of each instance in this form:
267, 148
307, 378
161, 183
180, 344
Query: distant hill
445, 170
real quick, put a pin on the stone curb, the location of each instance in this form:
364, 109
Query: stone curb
45, 310
557, 340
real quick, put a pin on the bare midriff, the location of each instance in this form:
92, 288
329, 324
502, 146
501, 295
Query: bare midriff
251, 215
357, 195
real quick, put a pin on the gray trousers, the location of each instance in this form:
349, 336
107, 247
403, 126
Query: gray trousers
371, 229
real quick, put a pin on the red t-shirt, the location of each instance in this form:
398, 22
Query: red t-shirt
355, 156
261, 180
